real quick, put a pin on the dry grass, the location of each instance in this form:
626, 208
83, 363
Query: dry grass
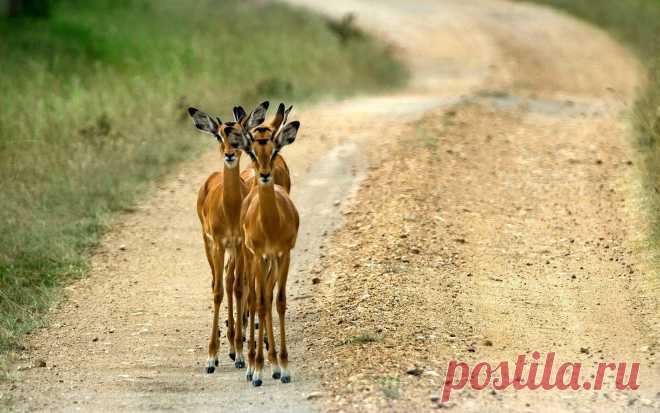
93, 107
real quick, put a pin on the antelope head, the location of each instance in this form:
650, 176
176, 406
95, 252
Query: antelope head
229, 135
265, 140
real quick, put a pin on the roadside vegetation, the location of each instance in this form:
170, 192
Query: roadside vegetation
636, 23
93, 108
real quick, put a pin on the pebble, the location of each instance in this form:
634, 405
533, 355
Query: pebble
410, 217
314, 395
646, 402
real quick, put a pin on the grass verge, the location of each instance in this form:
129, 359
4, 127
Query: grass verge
93, 107
636, 23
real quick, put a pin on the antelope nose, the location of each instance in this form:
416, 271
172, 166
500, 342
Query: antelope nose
230, 157
264, 177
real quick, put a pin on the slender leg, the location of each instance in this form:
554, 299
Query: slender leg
229, 288
218, 261
281, 309
208, 249
246, 289
252, 306
239, 284
261, 310
271, 347
272, 352
246, 307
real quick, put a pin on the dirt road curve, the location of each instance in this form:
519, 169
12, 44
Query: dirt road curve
486, 211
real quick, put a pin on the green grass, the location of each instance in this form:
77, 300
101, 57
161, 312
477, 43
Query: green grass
93, 107
362, 338
636, 23
390, 386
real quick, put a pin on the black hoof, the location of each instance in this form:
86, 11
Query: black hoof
240, 364
256, 383
210, 370
216, 364
286, 379
232, 356
276, 375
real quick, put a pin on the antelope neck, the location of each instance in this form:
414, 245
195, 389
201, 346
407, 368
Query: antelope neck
231, 181
268, 212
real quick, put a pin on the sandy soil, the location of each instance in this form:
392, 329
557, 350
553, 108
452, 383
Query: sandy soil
487, 211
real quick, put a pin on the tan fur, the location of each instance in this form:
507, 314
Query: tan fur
281, 174
218, 208
270, 221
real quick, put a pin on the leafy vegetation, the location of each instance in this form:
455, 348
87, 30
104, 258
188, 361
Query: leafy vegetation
390, 386
363, 338
93, 107
636, 23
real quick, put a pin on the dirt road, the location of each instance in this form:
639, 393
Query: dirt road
487, 211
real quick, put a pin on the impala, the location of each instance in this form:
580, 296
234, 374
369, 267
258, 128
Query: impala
219, 209
281, 174
270, 224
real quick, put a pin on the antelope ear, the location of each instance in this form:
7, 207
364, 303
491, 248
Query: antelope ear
278, 120
239, 113
204, 122
258, 115
288, 134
